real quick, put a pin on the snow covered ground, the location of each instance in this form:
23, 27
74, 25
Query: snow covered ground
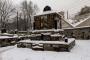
80, 52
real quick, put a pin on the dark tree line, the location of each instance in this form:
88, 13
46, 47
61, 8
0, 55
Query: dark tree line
84, 12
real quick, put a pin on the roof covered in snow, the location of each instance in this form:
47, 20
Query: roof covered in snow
46, 12
78, 23
68, 22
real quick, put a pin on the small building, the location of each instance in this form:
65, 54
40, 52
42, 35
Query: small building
50, 20
81, 29
47, 20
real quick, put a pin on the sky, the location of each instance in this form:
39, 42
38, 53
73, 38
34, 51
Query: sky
72, 6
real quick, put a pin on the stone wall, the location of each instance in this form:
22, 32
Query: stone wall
78, 33
46, 21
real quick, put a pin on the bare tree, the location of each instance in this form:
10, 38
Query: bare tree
6, 11
83, 13
28, 10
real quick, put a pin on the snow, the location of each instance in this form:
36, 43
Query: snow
37, 47
47, 12
70, 20
66, 20
2, 49
7, 34
48, 42
80, 52
15, 35
83, 27
35, 35
6, 37
56, 35
46, 33
69, 23
75, 25
78, 27
55, 30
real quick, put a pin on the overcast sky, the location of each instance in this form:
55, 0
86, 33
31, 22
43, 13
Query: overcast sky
73, 6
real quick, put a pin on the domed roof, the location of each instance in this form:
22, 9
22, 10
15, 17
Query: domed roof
47, 8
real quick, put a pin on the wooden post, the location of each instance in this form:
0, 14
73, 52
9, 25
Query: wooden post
60, 23
17, 20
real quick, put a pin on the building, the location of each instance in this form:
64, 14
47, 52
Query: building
81, 29
50, 20
56, 20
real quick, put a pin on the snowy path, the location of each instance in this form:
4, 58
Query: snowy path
80, 52
4, 49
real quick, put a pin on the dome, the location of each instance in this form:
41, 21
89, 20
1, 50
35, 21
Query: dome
47, 8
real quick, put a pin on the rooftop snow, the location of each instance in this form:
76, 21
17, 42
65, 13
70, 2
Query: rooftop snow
81, 21
49, 12
46, 12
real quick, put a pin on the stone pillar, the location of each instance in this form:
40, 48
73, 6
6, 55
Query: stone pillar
58, 24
